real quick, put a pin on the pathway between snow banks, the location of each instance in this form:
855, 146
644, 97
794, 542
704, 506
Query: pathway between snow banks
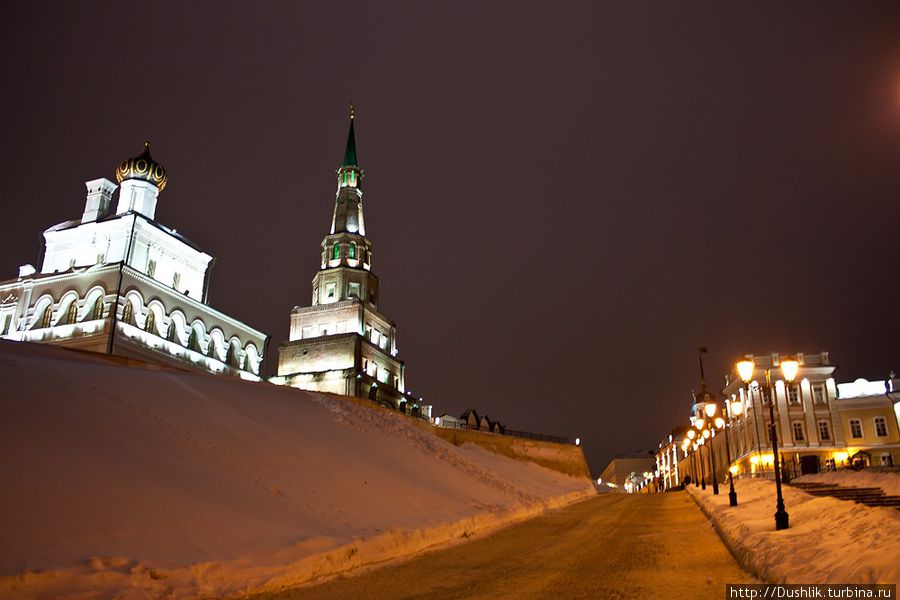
829, 540
134, 483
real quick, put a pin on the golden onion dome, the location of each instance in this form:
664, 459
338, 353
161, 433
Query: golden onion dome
144, 168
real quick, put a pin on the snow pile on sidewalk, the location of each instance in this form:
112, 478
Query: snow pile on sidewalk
829, 540
136, 483
886, 480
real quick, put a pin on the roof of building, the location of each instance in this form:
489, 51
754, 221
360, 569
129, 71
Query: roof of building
350, 151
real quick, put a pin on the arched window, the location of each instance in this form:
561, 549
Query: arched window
232, 356
194, 341
150, 324
352, 253
46, 316
71, 313
335, 251
128, 313
170, 334
97, 311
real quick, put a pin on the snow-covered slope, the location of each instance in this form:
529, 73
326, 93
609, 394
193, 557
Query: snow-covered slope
828, 541
151, 482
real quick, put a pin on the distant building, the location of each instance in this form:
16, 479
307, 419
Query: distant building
667, 458
821, 424
342, 342
625, 472
119, 282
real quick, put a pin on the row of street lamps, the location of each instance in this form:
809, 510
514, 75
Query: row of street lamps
703, 431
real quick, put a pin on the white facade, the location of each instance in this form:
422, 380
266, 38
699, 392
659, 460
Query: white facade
119, 282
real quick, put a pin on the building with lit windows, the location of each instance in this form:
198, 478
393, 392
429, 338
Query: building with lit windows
119, 282
821, 424
342, 342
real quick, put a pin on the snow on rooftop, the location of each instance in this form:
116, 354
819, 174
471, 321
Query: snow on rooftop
861, 388
114, 474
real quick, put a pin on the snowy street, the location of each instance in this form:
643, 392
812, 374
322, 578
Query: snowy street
613, 546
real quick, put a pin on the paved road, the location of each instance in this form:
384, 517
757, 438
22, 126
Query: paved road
610, 547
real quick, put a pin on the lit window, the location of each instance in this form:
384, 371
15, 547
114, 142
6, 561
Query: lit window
352, 251
793, 395
335, 251
315, 296
818, 394
97, 312
71, 314
354, 290
797, 426
330, 290
383, 342
307, 332
151, 267
856, 428
824, 431
128, 313
150, 324
376, 335
881, 427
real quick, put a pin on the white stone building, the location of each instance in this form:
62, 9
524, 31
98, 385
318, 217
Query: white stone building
118, 282
342, 343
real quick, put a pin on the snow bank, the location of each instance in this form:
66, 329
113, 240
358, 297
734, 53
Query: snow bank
829, 540
886, 480
135, 483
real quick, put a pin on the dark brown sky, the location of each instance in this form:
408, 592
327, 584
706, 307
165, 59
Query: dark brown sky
565, 201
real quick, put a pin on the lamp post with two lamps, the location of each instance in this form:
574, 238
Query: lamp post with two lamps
789, 368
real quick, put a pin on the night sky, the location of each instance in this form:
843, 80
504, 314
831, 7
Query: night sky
565, 199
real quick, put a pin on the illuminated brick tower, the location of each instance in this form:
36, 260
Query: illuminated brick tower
342, 343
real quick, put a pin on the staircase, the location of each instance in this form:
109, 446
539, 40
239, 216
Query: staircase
870, 496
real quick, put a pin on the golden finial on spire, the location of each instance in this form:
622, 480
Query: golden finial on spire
352, 111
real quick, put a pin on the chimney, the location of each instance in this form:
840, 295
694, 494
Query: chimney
99, 194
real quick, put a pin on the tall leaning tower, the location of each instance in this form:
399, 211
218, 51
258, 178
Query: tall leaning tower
342, 343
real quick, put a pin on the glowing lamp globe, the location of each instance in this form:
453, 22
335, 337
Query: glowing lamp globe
699, 423
737, 407
720, 422
789, 368
745, 369
691, 434
705, 434
710, 410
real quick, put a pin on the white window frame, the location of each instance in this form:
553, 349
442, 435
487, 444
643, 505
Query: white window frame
826, 430
795, 429
796, 394
883, 422
861, 431
824, 395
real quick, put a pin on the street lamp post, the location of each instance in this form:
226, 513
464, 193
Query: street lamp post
710, 410
697, 446
789, 367
732, 496
691, 434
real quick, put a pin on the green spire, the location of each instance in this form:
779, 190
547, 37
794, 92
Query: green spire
350, 152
